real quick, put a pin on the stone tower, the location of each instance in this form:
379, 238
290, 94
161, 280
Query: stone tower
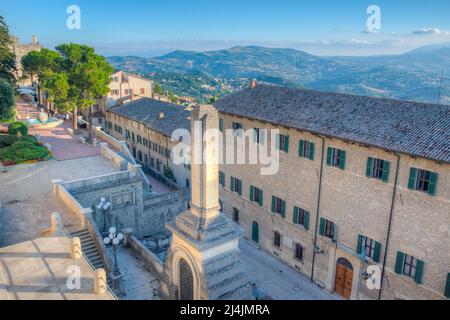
203, 261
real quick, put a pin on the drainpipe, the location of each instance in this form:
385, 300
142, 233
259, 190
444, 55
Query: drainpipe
394, 195
318, 208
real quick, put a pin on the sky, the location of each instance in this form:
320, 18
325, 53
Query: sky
149, 27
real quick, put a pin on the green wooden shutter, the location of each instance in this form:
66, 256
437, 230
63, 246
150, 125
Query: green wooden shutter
261, 198
359, 245
386, 170
432, 184
447, 287
369, 167
399, 262
306, 224
283, 208
231, 184
240, 187
329, 155
277, 141
295, 218
342, 155
419, 272
251, 193
274, 201
412, 179
311, 151
376, 254
286, 144
221, 125
300, 148
322, 227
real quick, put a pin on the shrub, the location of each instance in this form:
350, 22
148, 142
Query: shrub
24, 150
6, 140
16, 127
7, 111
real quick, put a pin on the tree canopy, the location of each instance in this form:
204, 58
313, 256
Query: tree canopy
7, 112
7, 56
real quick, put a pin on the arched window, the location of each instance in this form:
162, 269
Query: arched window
186, 281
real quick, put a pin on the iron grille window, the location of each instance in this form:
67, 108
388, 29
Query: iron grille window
277, 239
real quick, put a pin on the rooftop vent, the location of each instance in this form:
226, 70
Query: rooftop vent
161, 115
253, 84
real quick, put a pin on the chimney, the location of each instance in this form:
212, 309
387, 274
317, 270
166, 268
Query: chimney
252, 84
161, 115
35, 40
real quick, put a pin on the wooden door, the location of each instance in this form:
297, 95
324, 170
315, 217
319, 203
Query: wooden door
344, 280
255, 232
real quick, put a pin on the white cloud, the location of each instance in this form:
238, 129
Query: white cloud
431, 31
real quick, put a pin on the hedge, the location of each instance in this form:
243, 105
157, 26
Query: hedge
16, 127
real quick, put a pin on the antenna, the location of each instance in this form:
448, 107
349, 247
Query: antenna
440, 87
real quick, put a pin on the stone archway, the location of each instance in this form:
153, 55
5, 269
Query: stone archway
344, 278
186, 279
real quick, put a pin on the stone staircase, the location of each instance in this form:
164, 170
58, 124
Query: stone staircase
90, 251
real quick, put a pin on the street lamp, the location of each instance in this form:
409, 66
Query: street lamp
114, 238
103, 206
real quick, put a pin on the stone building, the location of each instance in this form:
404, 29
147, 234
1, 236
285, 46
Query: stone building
358, 177
147, 125
20, 50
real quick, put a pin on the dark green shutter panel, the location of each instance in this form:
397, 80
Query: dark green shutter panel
311, 151
300, 148
286, 144
360, 242
231, 184
369, 167
399, 262
419, 272
322, 227
306, 224
261, 198
295, 219
329, 155
432, 184
342, 155
376, 254
240, 187
283, 208
251, 193
274, 201
412, 179
447, 287
386, 170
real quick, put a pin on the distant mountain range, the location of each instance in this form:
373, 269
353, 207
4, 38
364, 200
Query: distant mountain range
414, 75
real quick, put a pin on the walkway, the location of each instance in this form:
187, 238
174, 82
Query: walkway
278, 280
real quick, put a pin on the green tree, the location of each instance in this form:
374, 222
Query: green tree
88, 78
157, 89
7, 57
7, 111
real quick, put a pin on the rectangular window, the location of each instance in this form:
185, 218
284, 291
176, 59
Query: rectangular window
256, 195
236, 185
221, 125
301, 217
259, 135
282, 142
278, 206
222, 178
277, 239
237, 128
142, 90
299, 252
409, 266
336, 158
306, 149
378, 169
236, 214
188, 183
423, 180
139, 139
327, 228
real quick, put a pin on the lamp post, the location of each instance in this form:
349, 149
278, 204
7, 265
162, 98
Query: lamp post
114, 238
103, 206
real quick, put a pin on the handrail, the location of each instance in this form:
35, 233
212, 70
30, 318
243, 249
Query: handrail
91, 266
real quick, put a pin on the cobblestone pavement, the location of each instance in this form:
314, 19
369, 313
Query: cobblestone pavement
278, 280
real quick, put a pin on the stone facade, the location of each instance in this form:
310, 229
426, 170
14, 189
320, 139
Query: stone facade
20, 50
357, 205
154, 156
